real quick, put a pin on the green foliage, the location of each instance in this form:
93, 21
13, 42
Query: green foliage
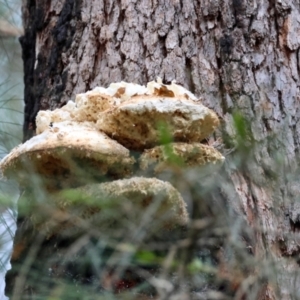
148, 258
243, 137
164, 133
166, 139
197, 266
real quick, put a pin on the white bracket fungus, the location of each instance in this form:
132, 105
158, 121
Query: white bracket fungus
129, 114
176, 154
123, 201
58, 154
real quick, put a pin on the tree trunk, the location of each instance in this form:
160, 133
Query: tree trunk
241, 58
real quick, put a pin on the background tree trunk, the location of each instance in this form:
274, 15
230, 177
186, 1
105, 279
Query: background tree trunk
233, 54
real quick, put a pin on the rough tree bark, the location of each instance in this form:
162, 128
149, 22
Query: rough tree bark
233, 54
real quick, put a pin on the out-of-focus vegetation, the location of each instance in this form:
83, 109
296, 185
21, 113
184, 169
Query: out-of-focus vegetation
10, 12
11, 82
72, 255
11, 119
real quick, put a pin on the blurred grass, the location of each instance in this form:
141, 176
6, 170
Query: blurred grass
10, 11
11, 119
11, 81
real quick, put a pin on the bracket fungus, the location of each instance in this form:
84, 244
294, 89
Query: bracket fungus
97, 134
116, 205
189, 155
58, 154
134, 123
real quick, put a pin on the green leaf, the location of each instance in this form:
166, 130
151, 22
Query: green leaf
173, 158
147, 258
197, 266
165, 136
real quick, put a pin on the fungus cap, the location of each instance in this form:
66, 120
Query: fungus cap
45, 118
87, 106
163, 157
57, 153
142, 193
135, 123
138, 202
99, 99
